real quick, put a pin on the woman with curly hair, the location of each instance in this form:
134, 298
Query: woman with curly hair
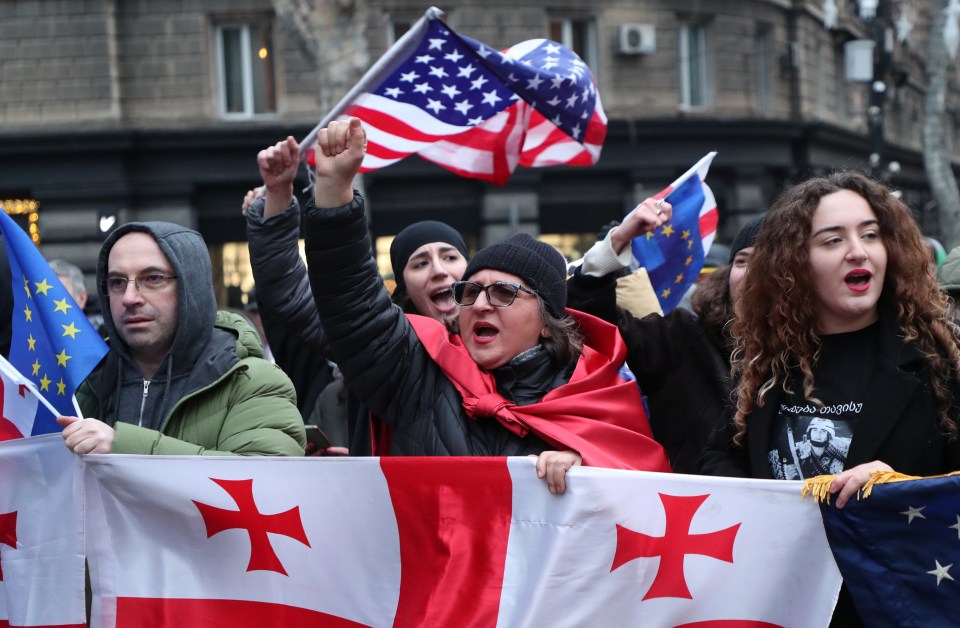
846, 361
681, 360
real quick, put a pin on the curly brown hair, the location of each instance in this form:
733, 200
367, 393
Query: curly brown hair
778, 331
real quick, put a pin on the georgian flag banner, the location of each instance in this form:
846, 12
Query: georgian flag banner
193, 541
41, 534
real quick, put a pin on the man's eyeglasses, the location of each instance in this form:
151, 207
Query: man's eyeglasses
499, 293
116, 286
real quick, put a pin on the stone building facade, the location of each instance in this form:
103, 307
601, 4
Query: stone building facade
117, 110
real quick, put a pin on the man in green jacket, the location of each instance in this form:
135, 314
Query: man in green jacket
180, 377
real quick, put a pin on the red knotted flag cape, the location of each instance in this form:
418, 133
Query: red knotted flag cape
597, 413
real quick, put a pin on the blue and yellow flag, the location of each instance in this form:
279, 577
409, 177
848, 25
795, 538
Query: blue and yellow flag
673, 254
54, 345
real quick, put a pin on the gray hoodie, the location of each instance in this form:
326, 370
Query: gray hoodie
196, 343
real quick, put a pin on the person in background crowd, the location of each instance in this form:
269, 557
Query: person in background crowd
180, 378
427, 257
251, 309
71, 277
949, 279
521, 376
840, 317
681, 360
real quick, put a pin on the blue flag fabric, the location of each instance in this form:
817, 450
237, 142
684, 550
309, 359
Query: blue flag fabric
899, 552
54, 345
673, 254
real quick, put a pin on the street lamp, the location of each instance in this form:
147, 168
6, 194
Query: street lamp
867, 61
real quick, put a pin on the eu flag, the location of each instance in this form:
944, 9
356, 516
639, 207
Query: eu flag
899, 551
673, 254
53, 345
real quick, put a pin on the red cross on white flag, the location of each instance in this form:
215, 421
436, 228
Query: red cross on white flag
443, 541
18, 407
41, 538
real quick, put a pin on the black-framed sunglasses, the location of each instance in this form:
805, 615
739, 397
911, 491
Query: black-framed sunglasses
499, 293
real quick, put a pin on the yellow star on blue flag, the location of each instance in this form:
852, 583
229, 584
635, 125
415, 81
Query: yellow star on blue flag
674, 263
53, 340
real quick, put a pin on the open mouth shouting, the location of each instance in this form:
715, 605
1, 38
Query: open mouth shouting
443, 297
484, 332
858, 279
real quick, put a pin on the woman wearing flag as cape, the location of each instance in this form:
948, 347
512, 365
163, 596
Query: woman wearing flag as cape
523, 376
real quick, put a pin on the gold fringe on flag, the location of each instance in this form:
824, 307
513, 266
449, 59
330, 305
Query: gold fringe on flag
819, 487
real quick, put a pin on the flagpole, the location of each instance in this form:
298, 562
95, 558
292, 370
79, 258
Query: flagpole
12, 372
76, 406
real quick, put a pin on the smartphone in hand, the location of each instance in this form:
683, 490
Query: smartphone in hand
317, 441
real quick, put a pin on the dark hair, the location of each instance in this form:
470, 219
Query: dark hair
779, 330
711, 302
402, 298
565, 342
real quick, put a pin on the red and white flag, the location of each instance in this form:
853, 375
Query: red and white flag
18, 404
41, 535
446, 542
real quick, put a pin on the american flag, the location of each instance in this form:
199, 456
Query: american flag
899, 551
673, 254
471, 109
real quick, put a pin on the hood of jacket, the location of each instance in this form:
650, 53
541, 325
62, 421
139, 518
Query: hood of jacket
117, 386
949, 274
197, 305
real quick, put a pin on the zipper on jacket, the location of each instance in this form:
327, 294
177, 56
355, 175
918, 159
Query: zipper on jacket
143, 401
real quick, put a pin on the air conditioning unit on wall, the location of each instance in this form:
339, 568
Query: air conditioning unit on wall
637, 39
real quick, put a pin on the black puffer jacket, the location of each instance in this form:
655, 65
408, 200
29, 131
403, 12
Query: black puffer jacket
289, 317
383, 361
681, 370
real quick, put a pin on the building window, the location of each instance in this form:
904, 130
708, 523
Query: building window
842, 109
398, 27
821, 78
763, 53
694, 90
247, 85
579, 35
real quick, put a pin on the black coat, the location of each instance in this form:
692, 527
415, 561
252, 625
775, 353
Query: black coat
287, 312
903, 432
682, 372
383, 361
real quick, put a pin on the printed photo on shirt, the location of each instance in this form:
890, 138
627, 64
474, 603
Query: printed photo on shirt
808, 446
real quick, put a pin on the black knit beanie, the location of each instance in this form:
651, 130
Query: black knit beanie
540, 265
747, 236
415, 236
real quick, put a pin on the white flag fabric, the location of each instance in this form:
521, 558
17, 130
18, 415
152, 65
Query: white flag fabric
18, 411
41, 535
178, 541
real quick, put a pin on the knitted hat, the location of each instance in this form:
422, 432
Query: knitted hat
747, 236
415, 236
540, 265
949, 274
